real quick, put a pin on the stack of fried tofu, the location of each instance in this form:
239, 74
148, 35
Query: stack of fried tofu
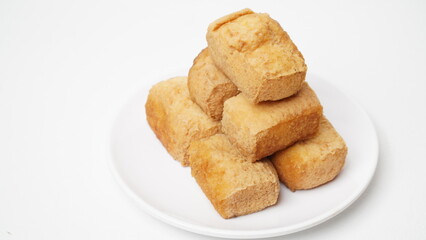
245, 118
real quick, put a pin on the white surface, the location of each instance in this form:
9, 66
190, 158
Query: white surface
140, 163
67, 67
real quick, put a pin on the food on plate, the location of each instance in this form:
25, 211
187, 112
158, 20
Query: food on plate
246, 101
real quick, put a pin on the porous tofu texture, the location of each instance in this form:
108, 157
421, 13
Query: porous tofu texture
259, 130
234, 186
208, 86
175, 119
312, 162
257, 55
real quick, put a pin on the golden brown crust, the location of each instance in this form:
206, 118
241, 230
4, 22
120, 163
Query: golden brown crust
234, 186
312, 162
175, 119
208, 86
259, 130
257, 55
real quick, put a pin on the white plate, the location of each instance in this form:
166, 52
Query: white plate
167, 191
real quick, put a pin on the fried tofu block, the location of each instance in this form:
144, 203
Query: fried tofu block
257, 55
176, 119
233, 185
208, 86
312, 162
259, 130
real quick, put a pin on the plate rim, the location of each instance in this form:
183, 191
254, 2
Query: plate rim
240, 234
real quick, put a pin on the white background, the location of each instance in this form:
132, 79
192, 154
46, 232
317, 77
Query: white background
67, 67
